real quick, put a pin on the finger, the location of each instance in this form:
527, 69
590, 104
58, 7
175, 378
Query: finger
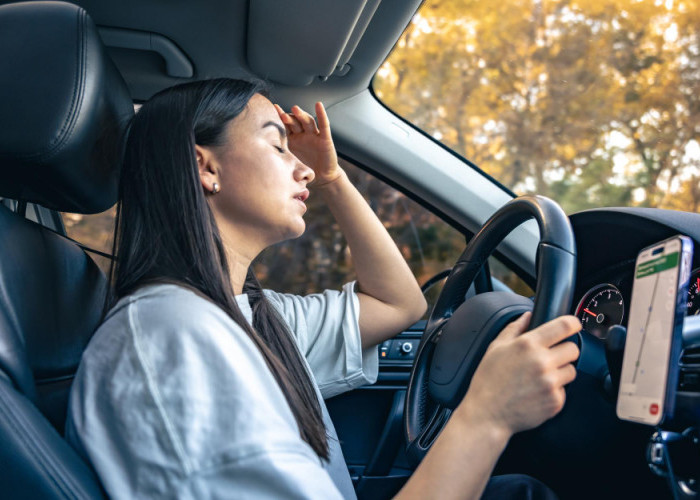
284, 116
561, 400
279, 110
288, 120
306, 120
515, 328
324, 124
566, 374
292, 124
564, 353
557, 330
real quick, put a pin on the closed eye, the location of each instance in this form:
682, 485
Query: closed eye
280, 149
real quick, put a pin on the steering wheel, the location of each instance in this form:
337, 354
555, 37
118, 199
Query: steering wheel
458, 332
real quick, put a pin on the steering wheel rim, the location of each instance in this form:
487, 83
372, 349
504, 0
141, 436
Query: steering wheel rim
424, 418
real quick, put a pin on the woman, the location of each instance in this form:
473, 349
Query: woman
199, 384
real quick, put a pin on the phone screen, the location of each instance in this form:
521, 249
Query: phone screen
654, 332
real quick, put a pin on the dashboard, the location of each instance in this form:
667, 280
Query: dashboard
607, 243
587, 444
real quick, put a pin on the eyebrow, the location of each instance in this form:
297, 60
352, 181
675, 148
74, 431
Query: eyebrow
280, 129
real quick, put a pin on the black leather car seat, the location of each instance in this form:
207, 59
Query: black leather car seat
63, 106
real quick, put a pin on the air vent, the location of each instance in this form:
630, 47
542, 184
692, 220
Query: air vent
689, 377
691, 357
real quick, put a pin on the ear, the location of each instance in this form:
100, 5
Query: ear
208, 167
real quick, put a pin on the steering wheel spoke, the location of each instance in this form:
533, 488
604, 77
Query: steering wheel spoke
435, 425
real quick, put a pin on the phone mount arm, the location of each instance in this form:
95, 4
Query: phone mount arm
673, 455
614, 350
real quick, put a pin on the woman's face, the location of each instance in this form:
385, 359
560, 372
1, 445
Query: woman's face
262, 184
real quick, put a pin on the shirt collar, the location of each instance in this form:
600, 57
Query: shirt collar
244, 305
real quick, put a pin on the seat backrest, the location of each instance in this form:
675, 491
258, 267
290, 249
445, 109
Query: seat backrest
52, 300
63, 107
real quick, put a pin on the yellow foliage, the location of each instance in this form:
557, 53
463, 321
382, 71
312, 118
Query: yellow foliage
525, 87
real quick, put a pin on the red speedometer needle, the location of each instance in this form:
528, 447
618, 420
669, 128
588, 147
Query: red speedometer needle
590, 312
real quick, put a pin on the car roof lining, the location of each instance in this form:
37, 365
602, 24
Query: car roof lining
196, 27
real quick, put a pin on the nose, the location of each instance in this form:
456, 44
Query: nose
302, 172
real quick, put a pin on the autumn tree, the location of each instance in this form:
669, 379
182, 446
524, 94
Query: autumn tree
556, 97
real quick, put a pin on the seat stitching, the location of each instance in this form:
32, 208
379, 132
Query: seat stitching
31, 445
76, 99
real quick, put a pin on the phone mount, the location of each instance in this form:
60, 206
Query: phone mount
614, 351
676, 457
672, 454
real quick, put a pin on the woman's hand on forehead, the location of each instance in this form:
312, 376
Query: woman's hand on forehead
312, 142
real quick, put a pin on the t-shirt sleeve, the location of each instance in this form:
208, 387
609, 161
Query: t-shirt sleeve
173, 399
327, 330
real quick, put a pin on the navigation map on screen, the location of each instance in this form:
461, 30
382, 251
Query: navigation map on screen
648, 345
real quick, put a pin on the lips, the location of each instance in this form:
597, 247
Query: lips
302, 196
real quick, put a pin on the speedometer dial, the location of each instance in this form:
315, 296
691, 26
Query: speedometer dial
694, 293
600, 308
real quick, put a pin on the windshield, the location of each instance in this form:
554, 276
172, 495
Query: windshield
592, 103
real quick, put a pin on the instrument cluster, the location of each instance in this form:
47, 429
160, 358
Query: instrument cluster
606, 304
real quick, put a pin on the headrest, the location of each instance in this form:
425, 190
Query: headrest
63, 107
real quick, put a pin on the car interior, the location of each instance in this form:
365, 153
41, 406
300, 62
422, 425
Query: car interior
71, 76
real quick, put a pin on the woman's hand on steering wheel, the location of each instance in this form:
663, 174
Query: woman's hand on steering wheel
520, 381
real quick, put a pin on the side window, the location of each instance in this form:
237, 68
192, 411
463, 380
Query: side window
95, 231
505, 275
321, 259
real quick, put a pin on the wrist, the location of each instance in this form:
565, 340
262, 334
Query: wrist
469, 416
327, 184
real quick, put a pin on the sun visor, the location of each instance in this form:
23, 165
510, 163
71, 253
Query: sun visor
294, 43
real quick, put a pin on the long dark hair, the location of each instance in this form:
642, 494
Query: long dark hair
166, 232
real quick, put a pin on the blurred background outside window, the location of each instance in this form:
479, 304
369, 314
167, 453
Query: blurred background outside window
320, 259
590, 102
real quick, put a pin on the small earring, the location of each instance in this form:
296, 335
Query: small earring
215, 188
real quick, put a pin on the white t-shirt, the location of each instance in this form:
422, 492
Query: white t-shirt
172, 399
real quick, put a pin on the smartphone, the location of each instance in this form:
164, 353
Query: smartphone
654, 332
